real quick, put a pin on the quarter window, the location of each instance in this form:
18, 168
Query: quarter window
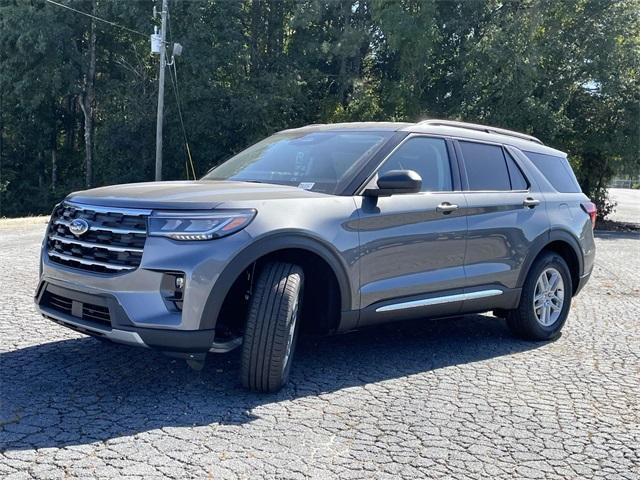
557, 170
426, 156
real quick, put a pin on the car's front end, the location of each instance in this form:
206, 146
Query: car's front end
154, 272
137, 275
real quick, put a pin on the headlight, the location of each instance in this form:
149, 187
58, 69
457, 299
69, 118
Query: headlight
199, 225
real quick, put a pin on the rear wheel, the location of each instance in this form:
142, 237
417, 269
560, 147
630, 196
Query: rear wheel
272, 327
545, 300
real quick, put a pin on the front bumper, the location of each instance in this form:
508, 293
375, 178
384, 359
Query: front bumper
166, 340
135, 304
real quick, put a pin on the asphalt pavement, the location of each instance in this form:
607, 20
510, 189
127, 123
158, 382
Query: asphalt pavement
457, 398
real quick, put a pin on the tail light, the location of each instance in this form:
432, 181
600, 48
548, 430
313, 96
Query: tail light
591, 210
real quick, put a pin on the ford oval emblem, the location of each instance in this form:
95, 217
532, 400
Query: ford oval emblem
79, 226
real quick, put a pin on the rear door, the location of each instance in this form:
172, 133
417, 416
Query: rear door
505, 215
412, 245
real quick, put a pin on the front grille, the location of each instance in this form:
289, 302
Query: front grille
84, 311
113, 243
61, 304
96, 313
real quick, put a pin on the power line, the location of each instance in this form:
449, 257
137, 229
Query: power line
177, 95
173, 75
113, 24
174, 82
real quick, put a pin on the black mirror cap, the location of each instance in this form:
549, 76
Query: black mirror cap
396, 182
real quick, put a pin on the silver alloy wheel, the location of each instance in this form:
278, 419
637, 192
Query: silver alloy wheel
548, 297
292, 329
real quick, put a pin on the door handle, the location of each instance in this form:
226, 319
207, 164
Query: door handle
446, 207
531, 202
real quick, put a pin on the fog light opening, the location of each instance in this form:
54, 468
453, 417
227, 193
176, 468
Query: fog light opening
173, 285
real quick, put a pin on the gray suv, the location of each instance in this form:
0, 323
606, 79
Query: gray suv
326, 228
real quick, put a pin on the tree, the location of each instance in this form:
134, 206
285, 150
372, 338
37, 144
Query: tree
566, 72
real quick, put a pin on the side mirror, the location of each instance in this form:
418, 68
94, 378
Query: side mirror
396, 182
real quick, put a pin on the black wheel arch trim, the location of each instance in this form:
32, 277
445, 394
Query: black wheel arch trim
264, 246
540, 243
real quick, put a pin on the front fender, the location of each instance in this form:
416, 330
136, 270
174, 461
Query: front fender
268, 244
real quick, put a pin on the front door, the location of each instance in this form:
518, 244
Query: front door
412, 246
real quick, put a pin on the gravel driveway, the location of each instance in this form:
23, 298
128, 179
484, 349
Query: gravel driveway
456, 397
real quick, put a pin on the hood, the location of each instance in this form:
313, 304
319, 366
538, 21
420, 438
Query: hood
197, 194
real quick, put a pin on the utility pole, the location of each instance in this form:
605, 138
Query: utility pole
159, 121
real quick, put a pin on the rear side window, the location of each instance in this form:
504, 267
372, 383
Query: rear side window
428, 157
557, 170
486, 166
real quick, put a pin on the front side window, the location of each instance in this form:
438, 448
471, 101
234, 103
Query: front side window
486, 167
426, 156
318, 161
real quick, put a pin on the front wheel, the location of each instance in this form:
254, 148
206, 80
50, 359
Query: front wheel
272, 327
545, 300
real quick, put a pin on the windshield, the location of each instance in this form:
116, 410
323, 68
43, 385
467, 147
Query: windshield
317, 161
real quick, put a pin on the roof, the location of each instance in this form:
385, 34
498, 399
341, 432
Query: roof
447, 128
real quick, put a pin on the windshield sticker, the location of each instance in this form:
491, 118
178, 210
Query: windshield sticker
306, 185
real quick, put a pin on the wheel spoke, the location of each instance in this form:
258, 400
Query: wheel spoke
545, 281
548, 297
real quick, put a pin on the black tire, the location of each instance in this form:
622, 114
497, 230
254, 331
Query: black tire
523, 321
272, 327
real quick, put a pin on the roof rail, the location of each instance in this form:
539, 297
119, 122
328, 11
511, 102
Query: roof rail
480, 128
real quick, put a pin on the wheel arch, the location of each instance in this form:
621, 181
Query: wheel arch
271, 246
565, 244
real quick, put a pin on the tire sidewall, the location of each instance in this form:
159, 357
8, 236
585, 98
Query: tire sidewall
296, 330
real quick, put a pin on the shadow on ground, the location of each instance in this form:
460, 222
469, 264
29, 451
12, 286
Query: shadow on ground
79, 391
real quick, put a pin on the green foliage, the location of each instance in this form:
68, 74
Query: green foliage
566, 72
